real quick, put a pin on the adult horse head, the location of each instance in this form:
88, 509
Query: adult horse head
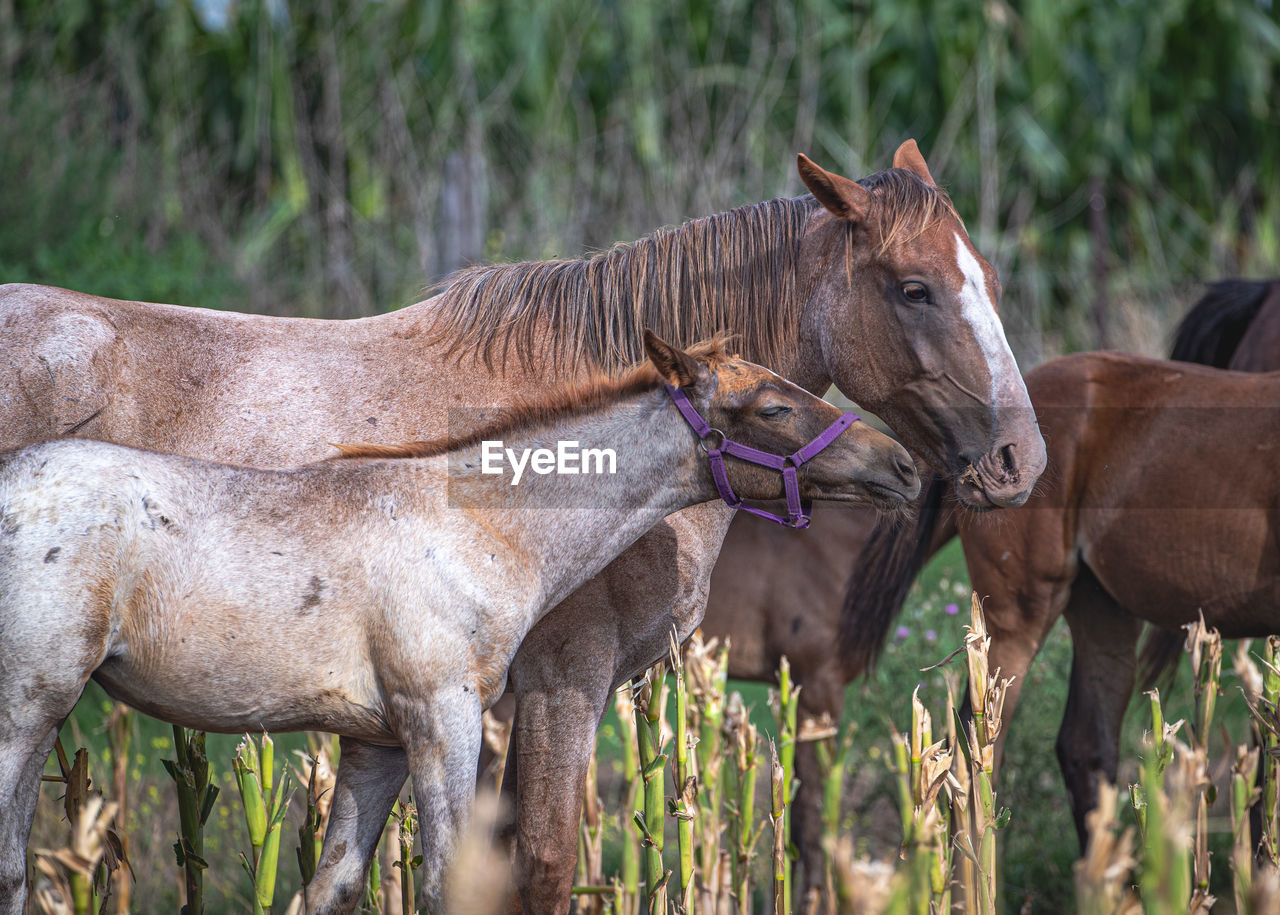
909, 328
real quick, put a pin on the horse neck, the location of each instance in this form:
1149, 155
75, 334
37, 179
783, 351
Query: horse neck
737, 272
567, 527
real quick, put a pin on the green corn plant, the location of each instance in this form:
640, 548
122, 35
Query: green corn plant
833, 761
265, 804
1164, 879
315, 770
986, 697
923, 770
406, 816
649, 707
82, 871
1102, 876
196, 797
1265, 714
777, 817
1205, 647
684, 804
629, 882
707, 666
1244, 793
742, 738
785, 701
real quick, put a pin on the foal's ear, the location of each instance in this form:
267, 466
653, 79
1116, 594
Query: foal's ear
908, 157
676, 367
842, 197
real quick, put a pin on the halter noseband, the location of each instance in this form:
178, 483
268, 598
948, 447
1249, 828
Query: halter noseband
798, 511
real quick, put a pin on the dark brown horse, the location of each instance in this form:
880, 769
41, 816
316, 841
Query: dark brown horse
773, 595
872, 285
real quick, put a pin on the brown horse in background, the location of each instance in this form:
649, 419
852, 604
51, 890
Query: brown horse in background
773, 595
873, 286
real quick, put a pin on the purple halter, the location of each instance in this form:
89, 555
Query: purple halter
798, 510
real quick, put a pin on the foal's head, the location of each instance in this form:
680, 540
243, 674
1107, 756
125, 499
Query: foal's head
909, 327
753, 406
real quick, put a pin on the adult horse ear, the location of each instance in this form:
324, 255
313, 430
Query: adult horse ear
908, 157
676, 367
842, 197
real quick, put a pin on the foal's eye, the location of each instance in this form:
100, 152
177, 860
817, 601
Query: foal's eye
773, 412
915, 292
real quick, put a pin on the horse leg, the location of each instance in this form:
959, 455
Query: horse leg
368, 781
1104, 639
42, 678
610, 629
555, 732
442, 752
22, 760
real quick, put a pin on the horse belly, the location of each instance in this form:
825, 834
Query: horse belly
1165, 565
232, 698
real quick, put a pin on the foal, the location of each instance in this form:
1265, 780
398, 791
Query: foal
380, 596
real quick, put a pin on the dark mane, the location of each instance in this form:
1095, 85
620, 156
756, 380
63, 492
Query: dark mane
733, 272
1212, 330
562, 402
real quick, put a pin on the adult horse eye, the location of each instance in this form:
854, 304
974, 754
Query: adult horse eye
773, 412
915, 292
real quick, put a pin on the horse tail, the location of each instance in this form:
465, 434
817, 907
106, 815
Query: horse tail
1158, 657
1213, 328
882, 575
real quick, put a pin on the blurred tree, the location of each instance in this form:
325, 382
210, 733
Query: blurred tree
332, 158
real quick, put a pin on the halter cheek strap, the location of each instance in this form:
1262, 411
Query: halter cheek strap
717, 446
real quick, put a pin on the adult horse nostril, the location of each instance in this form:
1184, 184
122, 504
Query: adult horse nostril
1008, 462
906, 469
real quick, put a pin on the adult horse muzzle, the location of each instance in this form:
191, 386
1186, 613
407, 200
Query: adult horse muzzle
998, 479
717, 446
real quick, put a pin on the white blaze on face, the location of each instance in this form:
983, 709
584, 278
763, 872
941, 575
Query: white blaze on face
977, 308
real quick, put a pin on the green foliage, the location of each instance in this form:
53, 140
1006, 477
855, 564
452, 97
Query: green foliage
331, 158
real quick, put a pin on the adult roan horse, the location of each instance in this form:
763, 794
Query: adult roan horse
193, 591
774, 595
872, 285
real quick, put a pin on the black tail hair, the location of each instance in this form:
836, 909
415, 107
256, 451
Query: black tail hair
1159, 655
882, 575
1211, 331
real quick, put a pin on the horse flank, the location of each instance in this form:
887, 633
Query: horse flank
561, 402
734, 271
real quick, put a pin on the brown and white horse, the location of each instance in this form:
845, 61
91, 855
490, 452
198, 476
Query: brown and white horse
381, 599
872, 285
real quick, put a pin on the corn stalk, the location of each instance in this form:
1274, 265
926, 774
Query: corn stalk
777, 817
707, 666
196, 797
406, 816
976, 838
265, 804
742, 738
684, 804
1102, 876
833, 760
649, 703
82, 871
1205, 647
785, 702
628, 897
